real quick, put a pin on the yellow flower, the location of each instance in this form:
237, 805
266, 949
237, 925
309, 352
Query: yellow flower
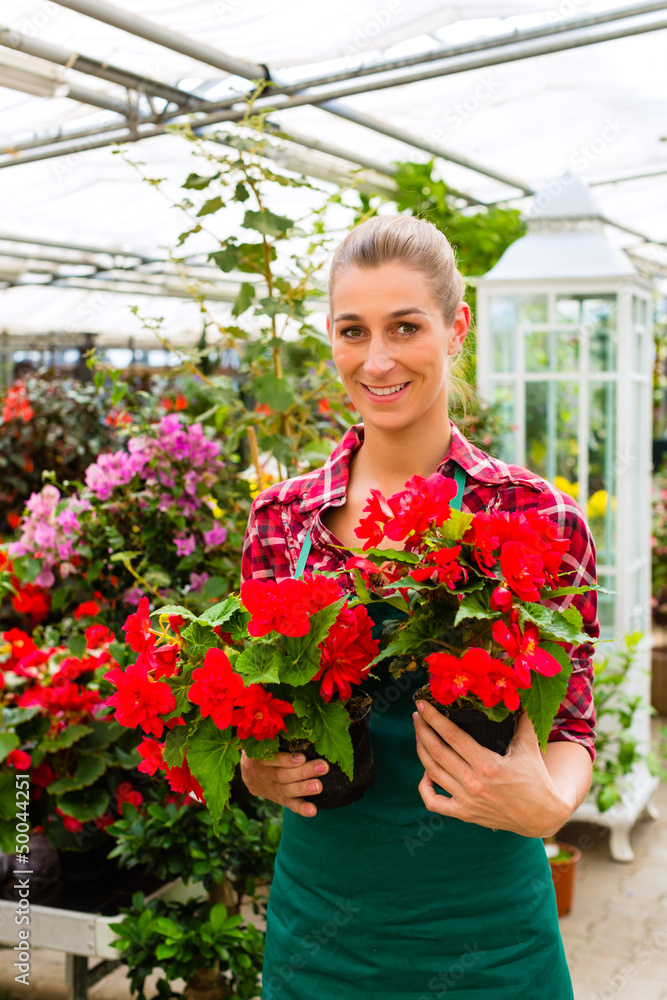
597, 504
563, 484
214, 507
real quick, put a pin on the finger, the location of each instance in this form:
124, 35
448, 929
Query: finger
525, 737
438, 774
297, 788
283, 760
442, 804
464, 745
301, 772
301, 807
440, 751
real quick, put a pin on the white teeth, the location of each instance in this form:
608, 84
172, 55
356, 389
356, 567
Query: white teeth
388, 391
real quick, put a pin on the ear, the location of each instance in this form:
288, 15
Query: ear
329, 330
459, 327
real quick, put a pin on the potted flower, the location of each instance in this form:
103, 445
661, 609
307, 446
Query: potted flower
563, 861
467, 591
282, 661
56, 730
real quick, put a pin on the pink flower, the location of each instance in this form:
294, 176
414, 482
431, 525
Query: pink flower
185, 546
216, 536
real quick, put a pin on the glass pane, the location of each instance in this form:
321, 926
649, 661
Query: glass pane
599, 318
606, 605
533, 310
536, 427
504, 394
552, 350
503, 322
601, 508
639, 500
568, 310
638, 353
552, 432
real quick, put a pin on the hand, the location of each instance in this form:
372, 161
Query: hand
514, 792
284, 779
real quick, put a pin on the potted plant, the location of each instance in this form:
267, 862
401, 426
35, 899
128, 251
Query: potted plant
563, 861
280, 661
467, 590
57, 731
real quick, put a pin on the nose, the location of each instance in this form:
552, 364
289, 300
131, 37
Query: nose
378, 361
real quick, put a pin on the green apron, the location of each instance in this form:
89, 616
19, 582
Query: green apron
382, 898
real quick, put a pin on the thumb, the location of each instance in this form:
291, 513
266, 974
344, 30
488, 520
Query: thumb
525, 737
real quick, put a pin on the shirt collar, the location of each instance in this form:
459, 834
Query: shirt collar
330, 483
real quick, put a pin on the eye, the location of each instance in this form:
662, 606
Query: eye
351, 332
406, 329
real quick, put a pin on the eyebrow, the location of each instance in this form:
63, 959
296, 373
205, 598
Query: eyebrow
409, 311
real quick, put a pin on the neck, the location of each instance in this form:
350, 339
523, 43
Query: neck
390, 458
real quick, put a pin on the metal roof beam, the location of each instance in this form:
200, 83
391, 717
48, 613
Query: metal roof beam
139, 26
13, 39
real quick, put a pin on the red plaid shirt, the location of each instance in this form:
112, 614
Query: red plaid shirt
282, 515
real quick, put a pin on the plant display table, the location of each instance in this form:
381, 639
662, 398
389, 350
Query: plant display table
77, 921
638, 790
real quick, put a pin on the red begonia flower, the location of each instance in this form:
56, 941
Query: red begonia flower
43, 775
19, 759
151, 753
453, 677
372, 527
320, 592
97, 635
346, 653
261, 715
70, 823
139, 700
501, 684
21, 643
33, 601
501, 600
181, 779
138, 629
88, 609
280, 607
523, 570
441, 567
524, 649
217, 689
126, 793
421, 503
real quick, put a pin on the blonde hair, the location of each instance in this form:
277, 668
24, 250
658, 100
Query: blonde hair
417, 243
421, 246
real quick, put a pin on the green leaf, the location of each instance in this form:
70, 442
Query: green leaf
176, 742
180, 685
302, 656
77, 645
260, 663
607, 797
227, 258
104, 733
244, 298
455, 528
213, 755
174, 609
86, 804
119, 391
552, 624
66, 738
218, 916
392, 555
89, 767
574, 616
473, 606
329, 724
167, 927
545, 694
99, 379
273, 391
15, 716
267, 223
199, 181
200, 638
8, 742
261, 749
562, 591
220, 613
211, 206
8, 798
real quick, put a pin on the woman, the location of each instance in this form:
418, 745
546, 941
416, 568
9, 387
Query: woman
410, 893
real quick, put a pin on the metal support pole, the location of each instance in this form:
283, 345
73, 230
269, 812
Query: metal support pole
13, 39
175, 40
76, 977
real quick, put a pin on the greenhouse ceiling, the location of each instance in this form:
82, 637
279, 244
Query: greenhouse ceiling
507, 96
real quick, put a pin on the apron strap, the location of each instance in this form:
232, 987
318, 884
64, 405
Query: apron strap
460, 480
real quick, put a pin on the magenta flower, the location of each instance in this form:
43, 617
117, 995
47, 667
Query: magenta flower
185, 546
216, 536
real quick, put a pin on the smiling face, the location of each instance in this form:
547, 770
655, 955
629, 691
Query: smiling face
391, 345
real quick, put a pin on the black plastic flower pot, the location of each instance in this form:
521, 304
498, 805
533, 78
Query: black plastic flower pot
494, 736
337, 789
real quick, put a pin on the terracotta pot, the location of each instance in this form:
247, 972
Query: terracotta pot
659, 679
494, 736
337, 789
563, 875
